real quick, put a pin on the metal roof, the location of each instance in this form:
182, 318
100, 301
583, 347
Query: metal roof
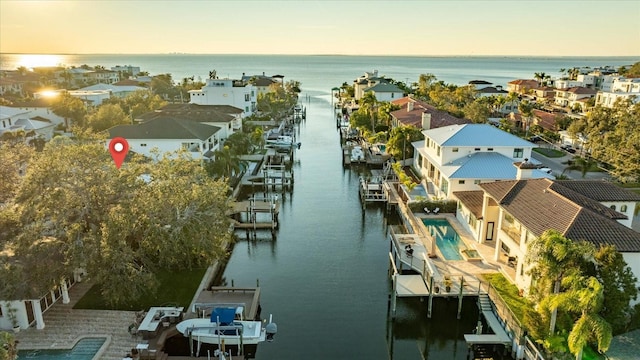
474, 135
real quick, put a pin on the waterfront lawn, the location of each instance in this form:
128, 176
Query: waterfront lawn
510, 295
176, 287
550, 153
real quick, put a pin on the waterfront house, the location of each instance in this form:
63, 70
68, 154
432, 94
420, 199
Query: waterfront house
235, 93
369, 79
419, 114
507, 215
10, 86
167, 133
461, 157
262, 83
385, 91
227, 118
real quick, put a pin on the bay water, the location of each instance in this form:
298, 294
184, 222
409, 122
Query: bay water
324, 276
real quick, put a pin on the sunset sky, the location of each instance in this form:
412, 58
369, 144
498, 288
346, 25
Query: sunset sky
554, 28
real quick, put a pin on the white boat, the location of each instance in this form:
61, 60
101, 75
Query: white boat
223, 328
282, 141
357, 154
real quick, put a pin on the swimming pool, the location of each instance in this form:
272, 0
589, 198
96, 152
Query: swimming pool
84, 349
447, 239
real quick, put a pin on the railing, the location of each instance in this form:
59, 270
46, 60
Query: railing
512, 324
531, 351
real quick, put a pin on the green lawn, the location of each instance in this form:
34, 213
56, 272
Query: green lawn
510, 295
550, 153
176, 287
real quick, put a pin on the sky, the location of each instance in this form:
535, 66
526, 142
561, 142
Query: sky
364, 27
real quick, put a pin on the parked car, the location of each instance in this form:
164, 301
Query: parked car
545, 169
568, 148
535, 138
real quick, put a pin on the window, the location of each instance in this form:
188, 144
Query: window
518, 153
438, 150
454, 150
476, 149
393, 95
613, 207
461, 182
247, 97
511, 227
143, 145
623, 208
476, 182
489, 149
444, 187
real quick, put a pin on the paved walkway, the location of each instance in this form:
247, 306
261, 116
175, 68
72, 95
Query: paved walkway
65, 325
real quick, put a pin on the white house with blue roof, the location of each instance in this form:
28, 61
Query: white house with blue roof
459, 157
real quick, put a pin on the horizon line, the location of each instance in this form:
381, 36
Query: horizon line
346, 55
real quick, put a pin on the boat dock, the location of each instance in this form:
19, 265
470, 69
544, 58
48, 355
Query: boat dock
256, 214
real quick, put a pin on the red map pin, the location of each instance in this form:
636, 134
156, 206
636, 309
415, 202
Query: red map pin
118, 147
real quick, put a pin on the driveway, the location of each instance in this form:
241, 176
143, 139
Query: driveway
557, 165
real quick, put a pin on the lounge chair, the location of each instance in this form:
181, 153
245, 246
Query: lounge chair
436, 210
427, 211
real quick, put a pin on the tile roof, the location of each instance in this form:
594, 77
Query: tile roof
472, 200
194, 112
582, 90
165, 127
474, 135
541, 204
545, 119
439, 118
599, 190
525, 82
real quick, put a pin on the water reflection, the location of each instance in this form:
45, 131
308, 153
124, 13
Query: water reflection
325, 276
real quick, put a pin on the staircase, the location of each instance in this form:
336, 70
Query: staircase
484, 303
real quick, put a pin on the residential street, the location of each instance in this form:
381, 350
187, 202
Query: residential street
557, 165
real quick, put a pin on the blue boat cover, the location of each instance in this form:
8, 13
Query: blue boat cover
224, 315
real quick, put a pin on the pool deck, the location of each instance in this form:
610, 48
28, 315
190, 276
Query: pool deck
65, 325
464, 267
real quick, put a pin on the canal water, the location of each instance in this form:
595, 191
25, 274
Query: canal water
324, 276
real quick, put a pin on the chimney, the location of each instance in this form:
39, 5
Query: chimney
426, 121
410, 106
524, 169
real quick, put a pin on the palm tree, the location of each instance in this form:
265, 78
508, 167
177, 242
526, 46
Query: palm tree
368, 103
585, 296
526, 112
581, 164
540, 76
555, 257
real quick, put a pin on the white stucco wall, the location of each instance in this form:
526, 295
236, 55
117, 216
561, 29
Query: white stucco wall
222, 92
633, 260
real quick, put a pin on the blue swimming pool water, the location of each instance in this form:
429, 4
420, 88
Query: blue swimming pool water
418, 190
447, 239
85, 349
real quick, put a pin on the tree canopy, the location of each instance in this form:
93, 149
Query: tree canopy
76, 210
613, 138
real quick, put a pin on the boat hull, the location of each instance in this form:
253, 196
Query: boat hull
238, 333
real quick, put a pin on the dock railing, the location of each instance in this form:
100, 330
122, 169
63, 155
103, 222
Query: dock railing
511, 323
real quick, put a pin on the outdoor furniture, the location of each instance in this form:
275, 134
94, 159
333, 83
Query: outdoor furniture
427, 211
436, 210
